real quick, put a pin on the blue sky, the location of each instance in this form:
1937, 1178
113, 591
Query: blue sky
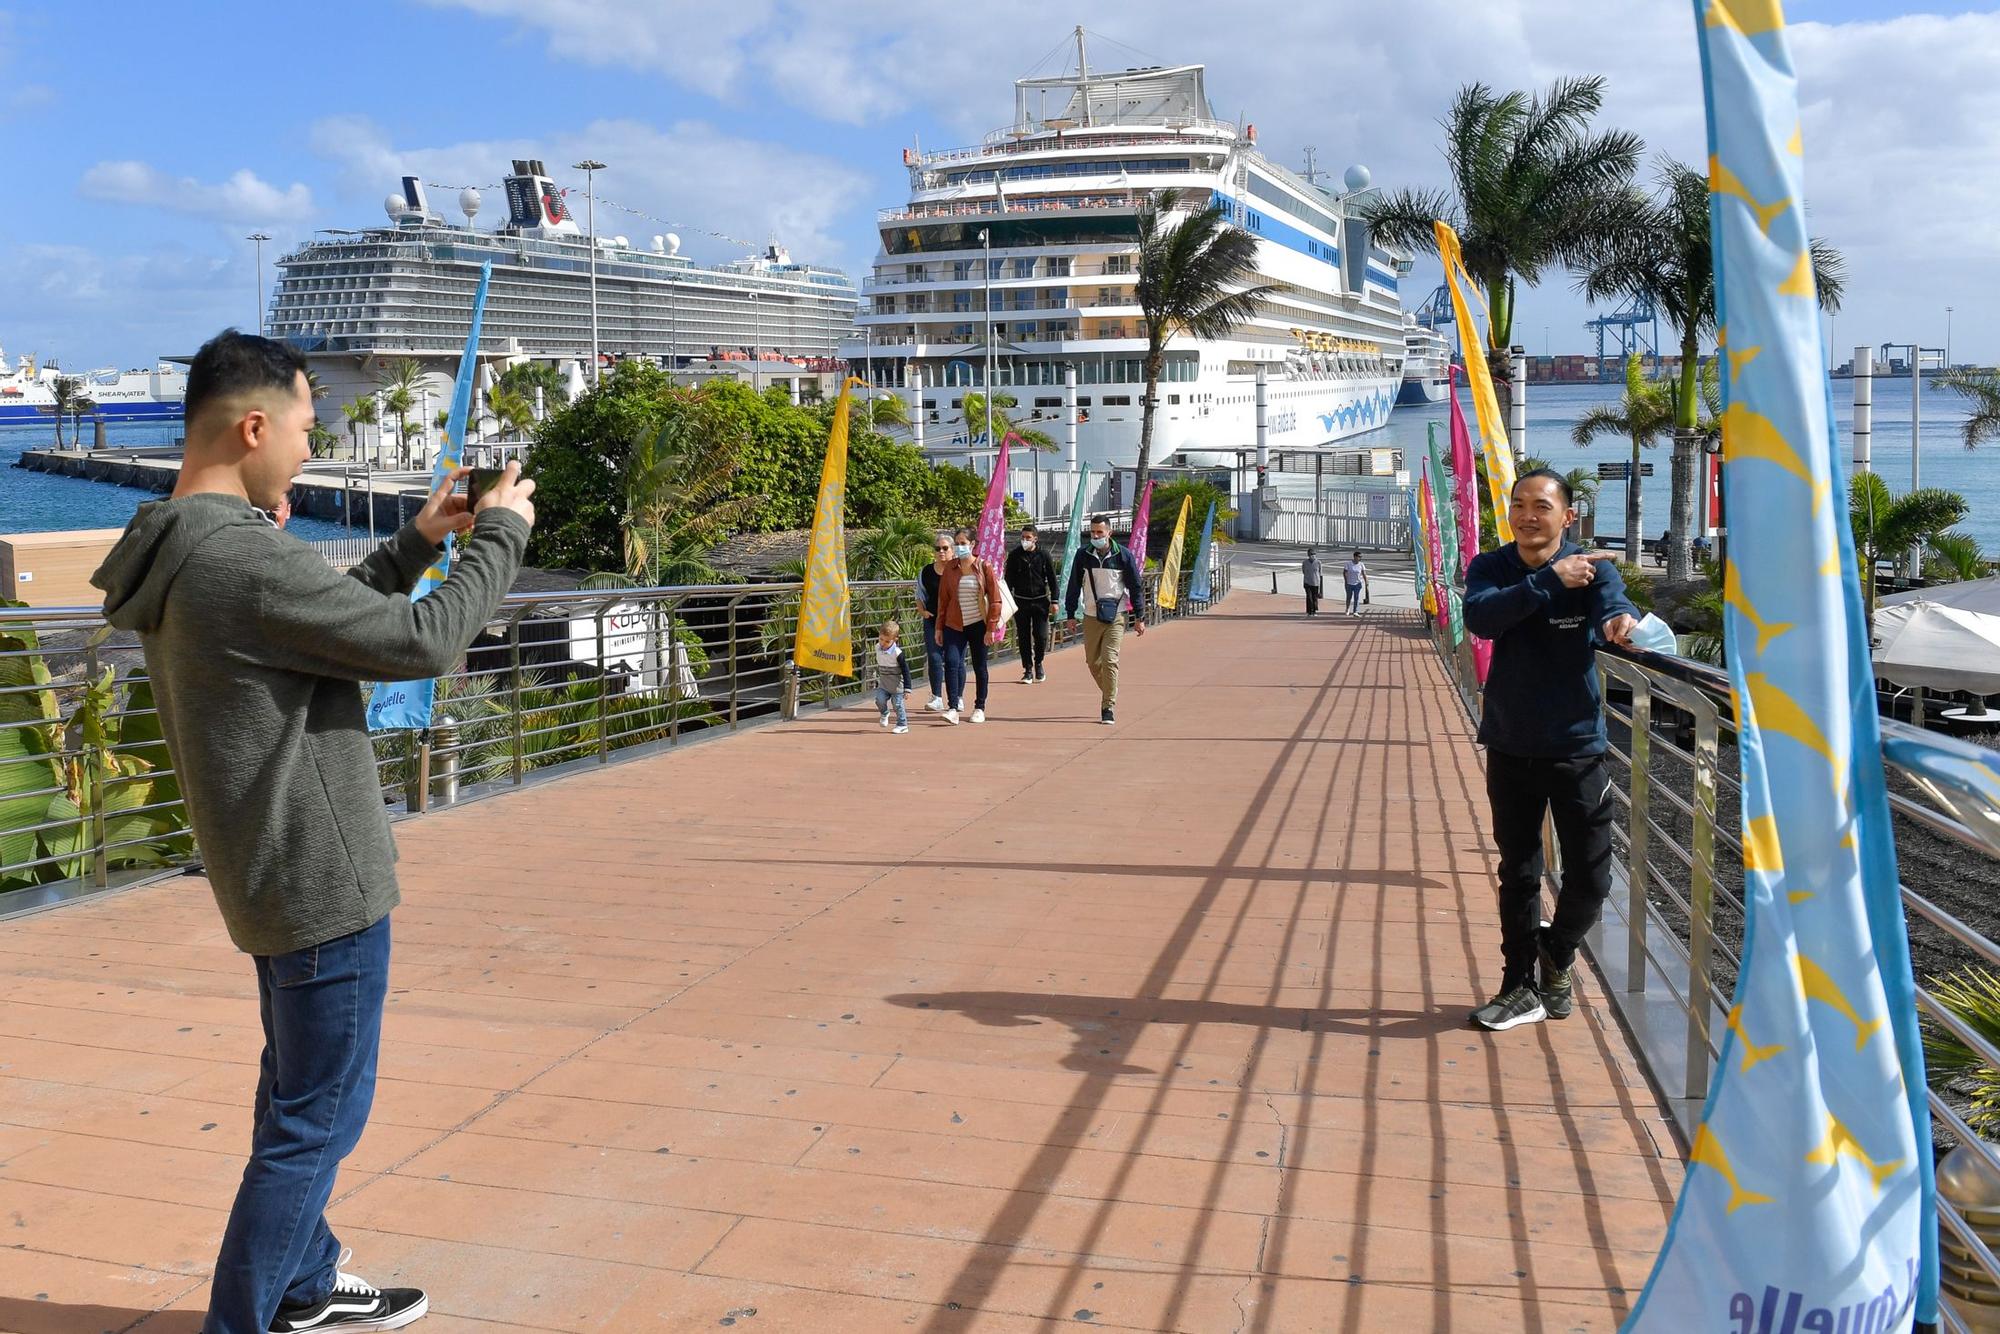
146, 141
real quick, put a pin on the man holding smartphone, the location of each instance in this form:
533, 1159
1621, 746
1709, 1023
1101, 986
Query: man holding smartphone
256, 651
1546, 604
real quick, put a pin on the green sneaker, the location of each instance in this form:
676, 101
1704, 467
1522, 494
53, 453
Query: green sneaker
1557, 988
1518, 1005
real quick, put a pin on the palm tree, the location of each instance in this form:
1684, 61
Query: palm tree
514, 410
65, 393
1983, 388
524, 379
973, 414
678, 495
899, 549
1660, 250
363, 411
1886, 526
400, 387
1194, 278
1641, 416
889, 410
1954, 558
320, 440
1532, 188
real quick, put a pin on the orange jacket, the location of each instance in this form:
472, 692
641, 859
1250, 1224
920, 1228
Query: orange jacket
989, 590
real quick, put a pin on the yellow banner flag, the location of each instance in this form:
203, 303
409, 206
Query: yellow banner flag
1170, 568
1498, 454
826, 631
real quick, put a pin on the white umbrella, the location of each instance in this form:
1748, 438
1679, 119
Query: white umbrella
1980, 595
1938, 647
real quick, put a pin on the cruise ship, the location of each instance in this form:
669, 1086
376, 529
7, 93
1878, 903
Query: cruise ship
406, 289
27, 392
1426, 363
1043, 215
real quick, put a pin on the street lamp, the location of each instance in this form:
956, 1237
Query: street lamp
590, 166
986, 266
259, 238
757, 352
1947, 337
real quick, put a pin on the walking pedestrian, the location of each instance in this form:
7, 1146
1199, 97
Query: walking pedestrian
1031, 577
892, 675
1546, 604
1310, 572
256, 650
968, 610
1113, 576
1354, 575
928, 580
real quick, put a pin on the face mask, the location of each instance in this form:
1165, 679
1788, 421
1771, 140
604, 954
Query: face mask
1027, 544
963, 551
1101, 543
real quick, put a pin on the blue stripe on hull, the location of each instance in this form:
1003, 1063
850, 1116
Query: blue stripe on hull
15, 413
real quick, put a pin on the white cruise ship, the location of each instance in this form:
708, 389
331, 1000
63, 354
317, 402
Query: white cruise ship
406, 289
1043, 215
1426, 363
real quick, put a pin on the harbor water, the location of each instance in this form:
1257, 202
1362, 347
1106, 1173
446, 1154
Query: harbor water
33, 501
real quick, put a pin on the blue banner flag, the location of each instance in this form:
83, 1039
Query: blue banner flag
1808, 1198
408, 704
1201, 588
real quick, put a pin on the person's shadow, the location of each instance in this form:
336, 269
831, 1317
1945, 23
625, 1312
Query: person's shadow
39, 1315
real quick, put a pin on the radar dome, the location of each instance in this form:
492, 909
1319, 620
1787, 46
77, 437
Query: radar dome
623, 243
1357, 178
468, 203
673, 244
395, 206
659, 245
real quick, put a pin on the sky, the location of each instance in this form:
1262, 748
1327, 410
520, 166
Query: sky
148, 141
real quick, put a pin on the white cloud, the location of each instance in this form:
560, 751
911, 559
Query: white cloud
245, 198
84, 307
1903, 164
697, 178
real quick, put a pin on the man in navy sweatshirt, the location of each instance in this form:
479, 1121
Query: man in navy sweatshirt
1546, 604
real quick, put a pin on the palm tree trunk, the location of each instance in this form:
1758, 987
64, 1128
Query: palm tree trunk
1500, 322
1632, 510
1155, 357
1687, 454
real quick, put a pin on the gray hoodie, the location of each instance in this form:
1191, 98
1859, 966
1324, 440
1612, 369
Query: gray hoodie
256, 649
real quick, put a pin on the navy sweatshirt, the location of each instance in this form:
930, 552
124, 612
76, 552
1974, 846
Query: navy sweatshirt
1541, 693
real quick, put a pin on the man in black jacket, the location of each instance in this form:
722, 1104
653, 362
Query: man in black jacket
1031, 577
1545, 604
1113, 576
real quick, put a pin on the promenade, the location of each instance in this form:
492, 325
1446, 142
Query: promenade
816, 1028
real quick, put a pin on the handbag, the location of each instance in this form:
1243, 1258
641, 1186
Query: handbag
1008, 608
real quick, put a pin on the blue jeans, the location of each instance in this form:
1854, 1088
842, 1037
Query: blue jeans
1353, 598
322, 1012
957, 645
883, 698
933, 656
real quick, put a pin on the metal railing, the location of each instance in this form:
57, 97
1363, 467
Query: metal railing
88, 798
1670, 943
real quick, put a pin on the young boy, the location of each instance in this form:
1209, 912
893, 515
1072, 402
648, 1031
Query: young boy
892, 675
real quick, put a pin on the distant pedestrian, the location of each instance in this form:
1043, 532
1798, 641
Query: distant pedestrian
1031, 577
968, 610
892, 675
928, 580
1354, 575
1546, 604
1112, 576
256, 650
1311, 573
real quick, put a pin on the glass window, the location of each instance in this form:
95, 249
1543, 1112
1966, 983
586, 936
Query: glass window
1024, 268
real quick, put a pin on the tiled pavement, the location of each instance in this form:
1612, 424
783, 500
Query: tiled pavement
819, 1028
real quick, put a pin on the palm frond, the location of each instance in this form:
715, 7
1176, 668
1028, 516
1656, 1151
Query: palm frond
1953, 558
1983, 388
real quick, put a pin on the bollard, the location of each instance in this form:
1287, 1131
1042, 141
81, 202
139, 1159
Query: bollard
444, 737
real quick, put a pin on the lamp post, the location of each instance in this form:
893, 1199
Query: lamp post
757, 352
1947, 337
590, 166
259, 238
986, 267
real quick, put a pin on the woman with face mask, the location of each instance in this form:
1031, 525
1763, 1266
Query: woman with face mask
968, 609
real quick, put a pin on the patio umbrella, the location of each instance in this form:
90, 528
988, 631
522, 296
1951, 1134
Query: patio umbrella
1938, 647
1980, 595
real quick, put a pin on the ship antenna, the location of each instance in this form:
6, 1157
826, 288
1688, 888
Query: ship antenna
1082, 73
1311, 172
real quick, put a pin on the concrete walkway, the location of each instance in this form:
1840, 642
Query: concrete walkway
989, 1028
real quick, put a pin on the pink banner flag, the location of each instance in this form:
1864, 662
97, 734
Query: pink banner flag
1139, 526
990, 543
1465, 491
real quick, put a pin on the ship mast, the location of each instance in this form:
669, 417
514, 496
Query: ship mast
1082, 74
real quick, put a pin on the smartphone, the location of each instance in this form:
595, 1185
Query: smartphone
479, 482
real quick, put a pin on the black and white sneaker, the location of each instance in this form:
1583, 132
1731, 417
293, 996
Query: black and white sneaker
1104, 716
355, 1304
1517, 1005
1558, 987
1027, 678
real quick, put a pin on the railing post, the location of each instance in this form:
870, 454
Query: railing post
788, 704
1701, 898
100, 857
416, 790
1638, 834
518, 756
735, 680
603, 695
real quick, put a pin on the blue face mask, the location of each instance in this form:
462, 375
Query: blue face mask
1101, 543
963, 551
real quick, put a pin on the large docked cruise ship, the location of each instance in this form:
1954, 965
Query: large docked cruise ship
406, 289
1043, 215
